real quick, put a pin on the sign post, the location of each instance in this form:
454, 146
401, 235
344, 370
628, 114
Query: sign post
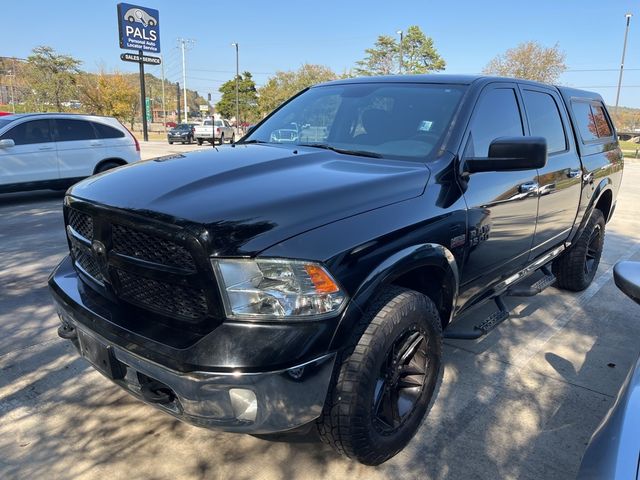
139, 29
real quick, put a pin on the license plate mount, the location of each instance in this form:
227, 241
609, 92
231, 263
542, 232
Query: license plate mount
100, 356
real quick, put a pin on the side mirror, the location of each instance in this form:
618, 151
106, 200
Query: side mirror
7, 142
626, 274
511, 154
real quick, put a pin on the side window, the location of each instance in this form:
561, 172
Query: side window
226, 123
35, 131
585, 120
544, 119
70, 130
105, 131
497, 115
602, 124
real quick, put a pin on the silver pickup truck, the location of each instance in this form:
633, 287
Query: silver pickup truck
214, 131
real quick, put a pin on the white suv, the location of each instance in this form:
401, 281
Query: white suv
55, 150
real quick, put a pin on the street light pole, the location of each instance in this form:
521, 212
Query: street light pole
235, 44
401, 33
624, 50
184, 43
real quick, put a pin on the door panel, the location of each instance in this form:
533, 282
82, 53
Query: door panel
78, 148
561, 179
502, 206
33, 158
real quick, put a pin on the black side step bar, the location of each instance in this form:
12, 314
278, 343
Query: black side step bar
529, 291
491, 322
496, 318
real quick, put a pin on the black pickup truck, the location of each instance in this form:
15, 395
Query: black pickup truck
309, 280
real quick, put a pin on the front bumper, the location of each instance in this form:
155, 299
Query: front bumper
237, 401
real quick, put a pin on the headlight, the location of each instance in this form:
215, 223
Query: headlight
274, 289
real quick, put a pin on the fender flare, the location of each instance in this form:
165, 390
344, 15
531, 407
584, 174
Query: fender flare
605, 185
392, 268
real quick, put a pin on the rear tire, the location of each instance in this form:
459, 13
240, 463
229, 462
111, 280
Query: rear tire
576, 268
199, 141
107, 166
385, 379
170, 142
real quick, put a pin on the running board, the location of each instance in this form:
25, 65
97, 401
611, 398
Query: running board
489, 323
534, 289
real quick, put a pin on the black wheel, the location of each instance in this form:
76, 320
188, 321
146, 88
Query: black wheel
131, 19
106, 166
576, 267
221, 139
233, 138
190, 140
151, 23
199, 141
182, 142
170, 142
385, 379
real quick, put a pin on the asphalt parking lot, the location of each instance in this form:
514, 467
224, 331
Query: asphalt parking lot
520, 403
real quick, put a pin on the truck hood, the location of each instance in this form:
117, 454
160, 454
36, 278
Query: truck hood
250, 197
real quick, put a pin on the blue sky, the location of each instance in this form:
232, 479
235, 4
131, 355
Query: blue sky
283, 34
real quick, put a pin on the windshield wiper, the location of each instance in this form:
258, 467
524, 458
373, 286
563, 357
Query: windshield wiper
251, 141
361, 153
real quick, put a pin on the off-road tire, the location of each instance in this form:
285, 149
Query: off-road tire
570, 268
347, 420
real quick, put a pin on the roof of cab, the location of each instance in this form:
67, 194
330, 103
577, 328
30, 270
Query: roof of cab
444, 78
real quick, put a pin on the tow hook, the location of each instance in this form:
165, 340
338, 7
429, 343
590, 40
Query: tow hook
154, 391
67, 332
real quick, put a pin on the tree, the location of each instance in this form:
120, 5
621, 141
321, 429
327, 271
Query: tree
283, 85
419, 55
530, 61
51, 77
381, 59
247, 95
112, 94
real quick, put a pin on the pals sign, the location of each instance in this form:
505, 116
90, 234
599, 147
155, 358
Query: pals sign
139, 28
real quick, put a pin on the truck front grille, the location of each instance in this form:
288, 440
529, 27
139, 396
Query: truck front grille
133, 243
153, 269
173, 300
81, 223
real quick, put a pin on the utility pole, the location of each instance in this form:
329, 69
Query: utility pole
13, 98
624, 50
235, 44
184, 44
178, 101
143, 100
164, 107
401, 33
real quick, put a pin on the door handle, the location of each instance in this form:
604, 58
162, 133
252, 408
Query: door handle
571, 173
529, 187
96, 144
588, 177
45, 148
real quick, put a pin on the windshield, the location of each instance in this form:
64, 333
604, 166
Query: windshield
382, 119
183, 126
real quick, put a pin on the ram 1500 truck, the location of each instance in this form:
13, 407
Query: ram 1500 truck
282, 284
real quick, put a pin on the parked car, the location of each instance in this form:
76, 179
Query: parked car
183, 133
284, 285
56, 150
613, 453
217, 130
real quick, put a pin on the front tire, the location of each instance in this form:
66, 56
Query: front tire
576, 268
199, 141
384, 381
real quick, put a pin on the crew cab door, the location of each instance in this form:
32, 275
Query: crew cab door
502, 206
560, 181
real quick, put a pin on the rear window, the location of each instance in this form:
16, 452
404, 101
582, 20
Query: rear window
218, 123
105, 131
71, 130
592, 121
602, 124
544, 119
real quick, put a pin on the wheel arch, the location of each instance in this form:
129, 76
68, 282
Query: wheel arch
117, 160
428, 268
